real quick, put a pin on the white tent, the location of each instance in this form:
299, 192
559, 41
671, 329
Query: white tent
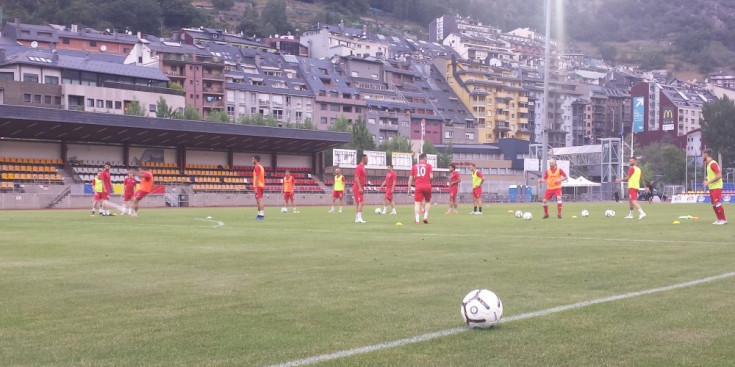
579, 182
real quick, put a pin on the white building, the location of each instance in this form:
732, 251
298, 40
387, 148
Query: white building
328, 41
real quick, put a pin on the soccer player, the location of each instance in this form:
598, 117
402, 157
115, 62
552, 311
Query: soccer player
338, 190
258, 186
553, 177
98, 186
454, 181
634, 183
714, 183
358, 187
288, 183
390, 184
146, 184
649, 188
423, 172
477, 180
105, 195
128, 190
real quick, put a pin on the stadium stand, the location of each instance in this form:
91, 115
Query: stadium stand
16, 171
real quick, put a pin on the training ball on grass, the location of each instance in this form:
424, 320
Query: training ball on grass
481, 309
609, 213
284, 210
399, 223
585, 213
527, 216
209, 217
378, 211
519, 214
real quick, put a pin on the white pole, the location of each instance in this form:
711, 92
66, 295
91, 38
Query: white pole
545, 109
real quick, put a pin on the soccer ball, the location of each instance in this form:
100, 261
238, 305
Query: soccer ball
284, 210
585, 213
519, 214
378, 211
609, 213
481, 309
527, 216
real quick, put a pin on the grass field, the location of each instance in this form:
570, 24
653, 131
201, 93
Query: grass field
171, 288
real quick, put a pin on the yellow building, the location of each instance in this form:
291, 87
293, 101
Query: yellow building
498, 102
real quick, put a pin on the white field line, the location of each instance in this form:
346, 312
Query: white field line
524, 316
217, 223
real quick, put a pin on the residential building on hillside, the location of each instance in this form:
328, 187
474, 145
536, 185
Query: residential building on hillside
46, 78
287, 45
445, 25
494, 95
204, 36
334, 93
194, 68
74, 38
325, 41
459, 125
494, 51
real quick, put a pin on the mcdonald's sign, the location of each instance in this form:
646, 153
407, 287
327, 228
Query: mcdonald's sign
668, 119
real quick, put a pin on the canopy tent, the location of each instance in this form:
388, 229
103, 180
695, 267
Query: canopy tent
579, 182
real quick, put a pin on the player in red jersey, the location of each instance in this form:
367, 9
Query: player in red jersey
358, 187
338, 190
390, 184
146, 185
128, 190
288, 190
258, 185
98, 186
423, 173
714, 184
454, 181
105, 195
553, 177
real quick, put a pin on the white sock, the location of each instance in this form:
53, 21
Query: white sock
641, 211
417, 217
426, 215
630, 213
332, 208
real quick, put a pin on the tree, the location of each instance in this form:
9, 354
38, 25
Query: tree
447, 155
718, 129
249, 24
362, 139
399, 144
274, 19
134, 108
429, 147
218, 116
664, 162
223, 4
163, 110
191, 113
341, 125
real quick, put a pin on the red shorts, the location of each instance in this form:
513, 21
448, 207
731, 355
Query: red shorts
632, 194
258, 192
422, 193
287, 196
550, 193
715, 196
477, 192
127, 196
338, 194
389, 195
359, 197
99, 196
453, 192
139, 195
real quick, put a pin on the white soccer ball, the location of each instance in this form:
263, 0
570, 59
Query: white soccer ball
284, 210
585, 213
527, 216
378, 211
481, 309
519, 214
609, 213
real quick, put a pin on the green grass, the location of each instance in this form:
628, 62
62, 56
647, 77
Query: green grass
170, 289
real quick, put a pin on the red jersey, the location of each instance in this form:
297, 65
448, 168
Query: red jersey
454, 179
129, 185
422, 172
105, 176
146, 181
360, 176
390, 180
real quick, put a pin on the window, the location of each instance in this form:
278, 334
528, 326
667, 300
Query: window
334, 107
298, 115
449, 134
36, 98
26, 97
30, 78
47, 99
323, 120
93, 43
65, 41
152, 107
118, 105
230, 111
57, 100
51, 79
7, 76
100, 103
358, 109
323, 106
108, 104
469, 136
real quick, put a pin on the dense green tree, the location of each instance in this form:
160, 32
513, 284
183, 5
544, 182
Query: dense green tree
163, 110
274, 19
134, 108
218, 116
223, 4
663, 162
362, 139
250, 23
446, 155
718, 129
191, 113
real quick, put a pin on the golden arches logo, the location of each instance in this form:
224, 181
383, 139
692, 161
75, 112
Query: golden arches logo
668, 114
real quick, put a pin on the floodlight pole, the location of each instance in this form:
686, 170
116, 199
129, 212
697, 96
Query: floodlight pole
545, 109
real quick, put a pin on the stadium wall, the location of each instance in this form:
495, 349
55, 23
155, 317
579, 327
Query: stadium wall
206, 157
18, 149
298, 161
243, 159
97, 153
139, 153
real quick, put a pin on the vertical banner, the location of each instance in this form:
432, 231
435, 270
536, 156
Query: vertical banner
639, 112
402, 160
432, 160
668, 120
375, 159
344, 158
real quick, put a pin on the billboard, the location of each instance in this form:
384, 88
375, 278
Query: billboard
344, 158
639, 113
432, 160
668, 119
402, 160
375, 159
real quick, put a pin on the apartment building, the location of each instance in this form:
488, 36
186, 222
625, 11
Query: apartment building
334, 93
326, 41
445, 25
74, 38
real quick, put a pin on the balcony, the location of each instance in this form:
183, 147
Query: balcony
213, 76
175, 74
143, 88
213, 90
502, 126
501, 118
523, 128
